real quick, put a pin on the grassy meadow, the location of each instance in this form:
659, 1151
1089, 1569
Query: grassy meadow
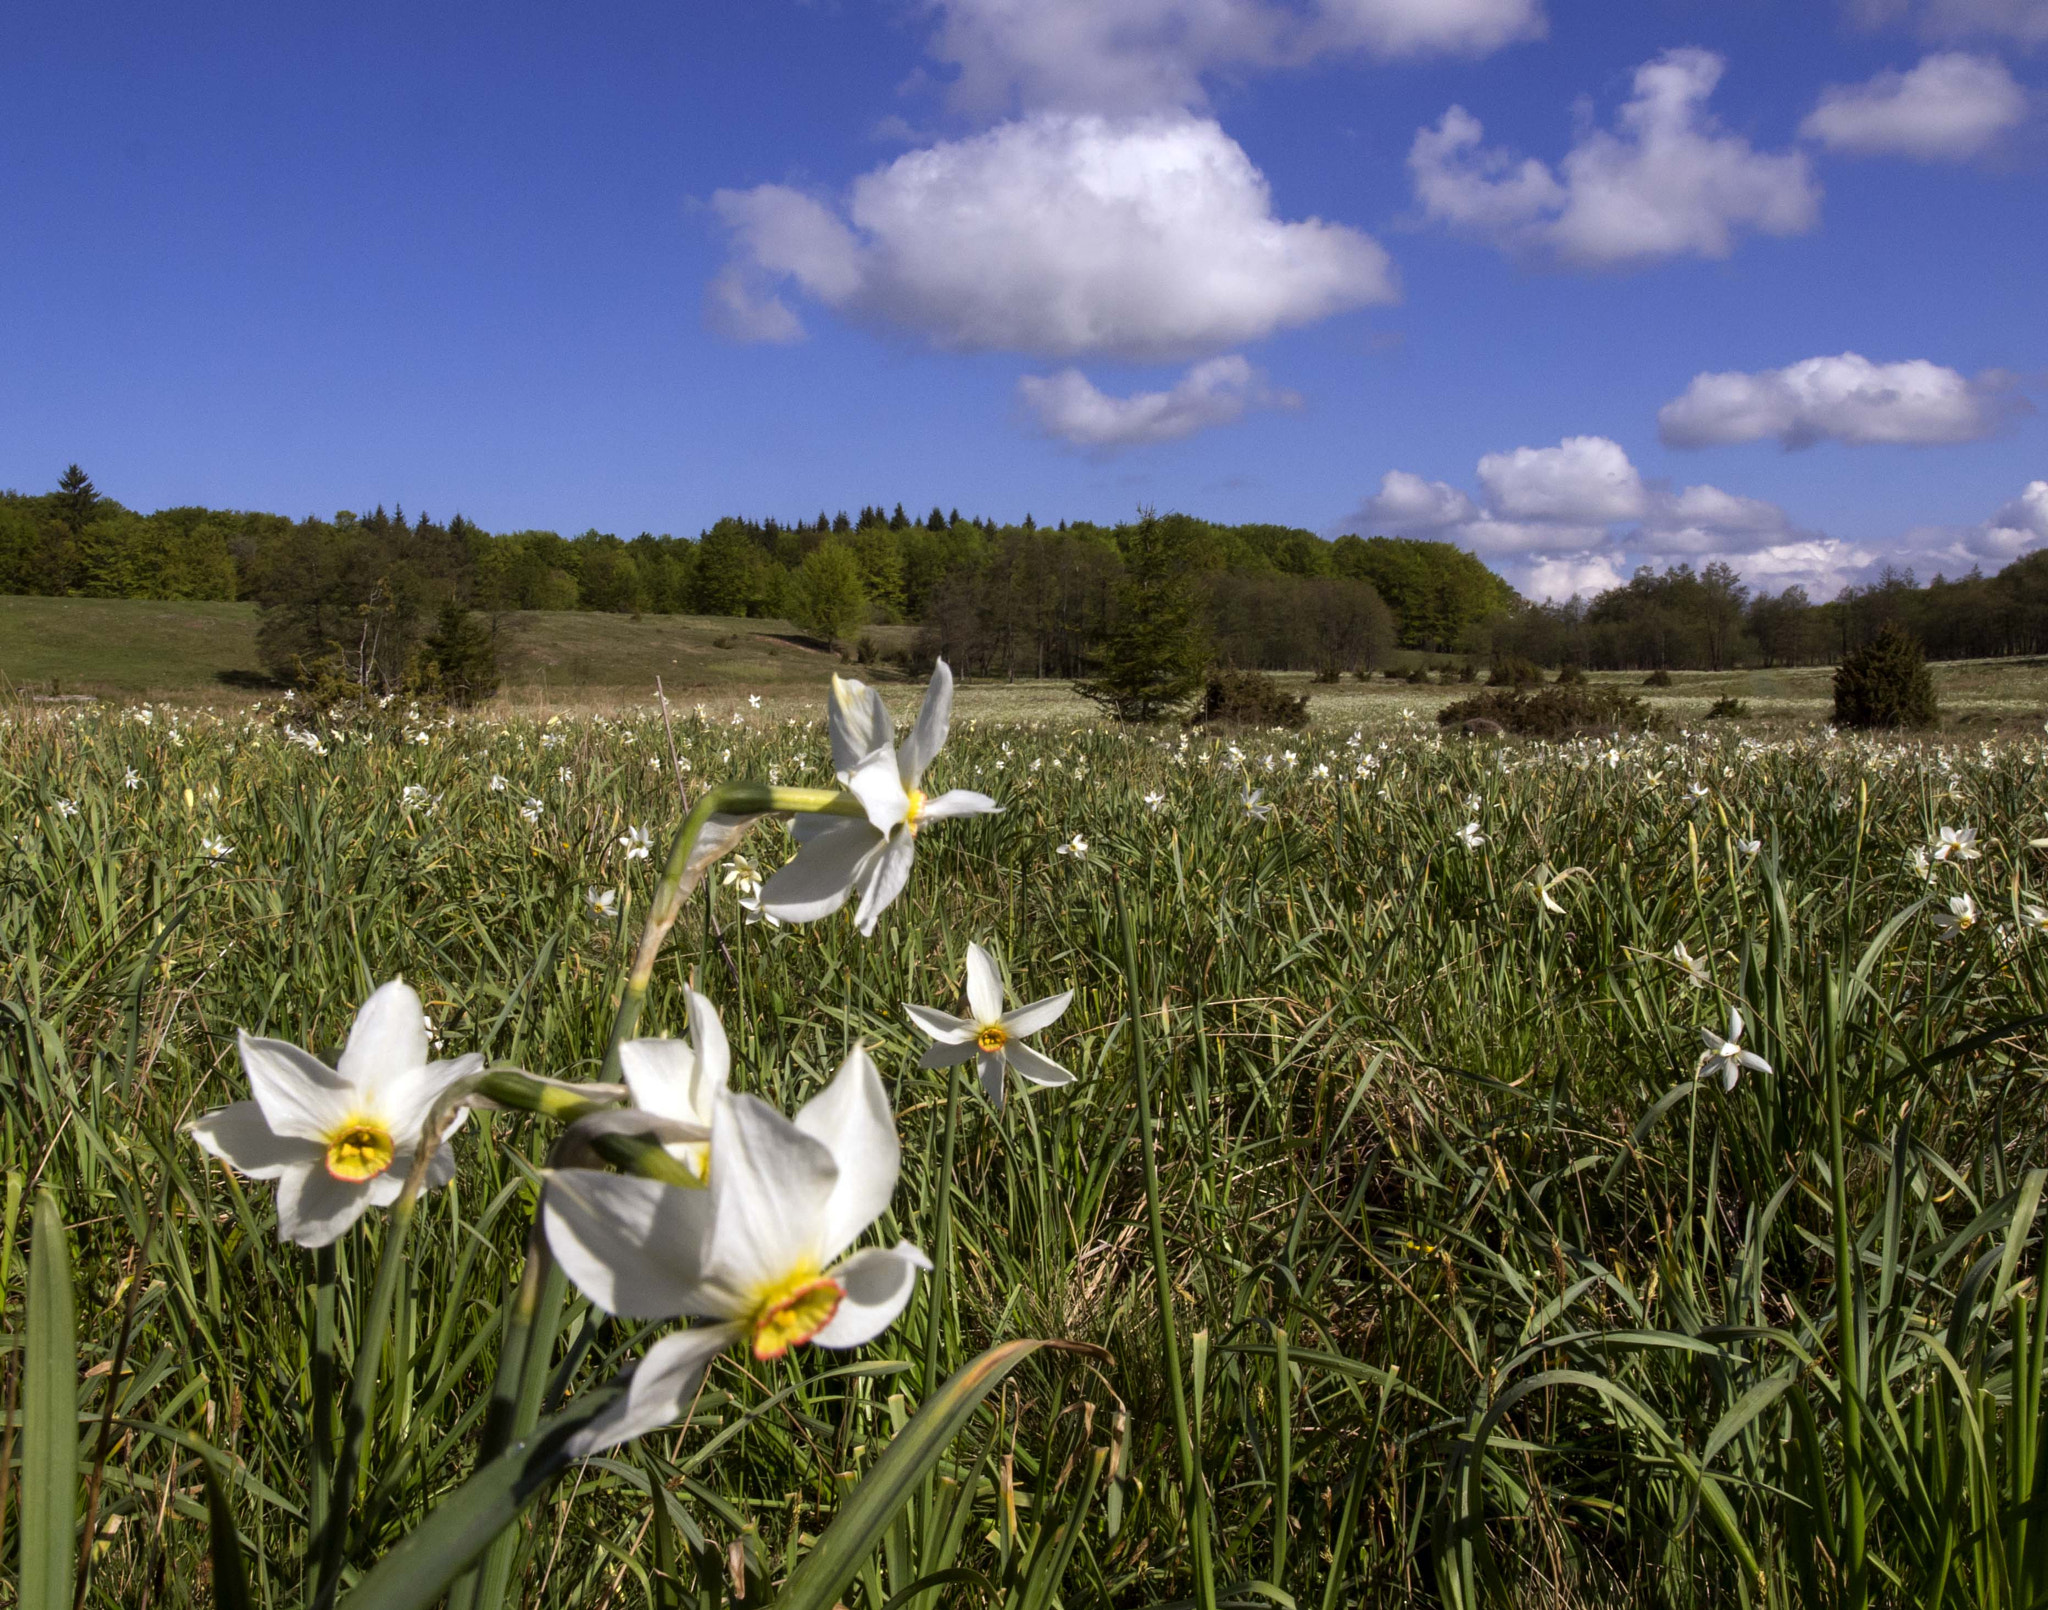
1481, 1289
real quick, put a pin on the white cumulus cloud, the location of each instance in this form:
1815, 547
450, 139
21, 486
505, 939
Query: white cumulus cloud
1093, 55
1064, 235
1844, 399
1667, 181
1409, 504
1950, 107
1584, 479
2023, 21
1069, 406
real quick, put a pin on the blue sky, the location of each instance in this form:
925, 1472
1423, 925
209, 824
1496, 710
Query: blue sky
1577, 286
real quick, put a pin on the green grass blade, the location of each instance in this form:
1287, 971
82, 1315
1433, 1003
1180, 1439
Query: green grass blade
817, 1583
49, 1445
223, 1547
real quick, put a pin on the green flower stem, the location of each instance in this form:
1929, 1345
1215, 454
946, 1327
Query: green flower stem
684, 870
1856, 1585
322, 1406
331, 1542
942, 1242
1169, 1340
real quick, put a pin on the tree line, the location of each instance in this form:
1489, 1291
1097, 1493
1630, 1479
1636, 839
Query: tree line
1011, 599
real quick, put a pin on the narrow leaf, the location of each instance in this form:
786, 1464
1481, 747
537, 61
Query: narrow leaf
223, 1547
49, 1438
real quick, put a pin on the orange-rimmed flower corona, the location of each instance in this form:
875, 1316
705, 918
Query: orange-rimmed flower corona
760, 1252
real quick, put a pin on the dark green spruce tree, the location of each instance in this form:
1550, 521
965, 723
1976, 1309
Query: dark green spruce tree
459, 660
76, 498
1157, 649
1886, 683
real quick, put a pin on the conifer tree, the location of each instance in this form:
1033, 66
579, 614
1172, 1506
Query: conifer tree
1158, 650
76, 498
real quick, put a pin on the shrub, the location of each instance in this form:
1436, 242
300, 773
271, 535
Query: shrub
1570, 674
1885, 683
1468, 672
1659, 678
1329, 674
1419, 676
1250, 699
1552, 712
1512, 671
459, 662
1730, 709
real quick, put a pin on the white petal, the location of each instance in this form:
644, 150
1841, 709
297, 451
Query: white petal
632, 1246
238, 1135
662, 1075
406, 1099
299, 1094
880, 791
314, 1208
1730, 1073
1755, 1063
956, 802
984, 985
770, 1187
929, 735
662, 1387
1710, 1039
877, 1283
942, 1027
1734, 1023
389, 1036
1040, 1070
818, 881
944, 1054
851, 1117
1038, 1015
860, 723
994, 1078
883, 880
714, 1054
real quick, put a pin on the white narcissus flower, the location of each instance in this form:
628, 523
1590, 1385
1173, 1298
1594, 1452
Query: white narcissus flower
1725, 1056
1154, 800
839, 854
1076, 846
338, 1140
2034, 919
636, 843
1956, 844
1470, 836
603, 903
992, 1036
1255, 805
1959, 919
1695, 966
758, 1251
1749, 846
682, 1079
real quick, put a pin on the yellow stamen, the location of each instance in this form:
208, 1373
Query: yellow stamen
992, 1038
797, 1316
360, 1152
916, 808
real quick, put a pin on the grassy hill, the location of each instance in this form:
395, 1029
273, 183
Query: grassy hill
129, 647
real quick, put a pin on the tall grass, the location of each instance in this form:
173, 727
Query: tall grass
1479, 1295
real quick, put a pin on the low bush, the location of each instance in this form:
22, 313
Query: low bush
1250, 699
1569, 674
1659, 678
1729, 709
1512, 671
1552, 712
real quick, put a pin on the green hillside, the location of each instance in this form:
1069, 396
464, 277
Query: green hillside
133, 646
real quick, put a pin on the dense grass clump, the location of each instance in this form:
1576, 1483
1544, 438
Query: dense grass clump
1488, 1286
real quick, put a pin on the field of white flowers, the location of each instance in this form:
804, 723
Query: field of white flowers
702, 1157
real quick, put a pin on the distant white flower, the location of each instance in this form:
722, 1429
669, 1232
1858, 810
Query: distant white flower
1470, 836
1956, 844
338, 1140
216, 850
498, 784
67, 807
603, 903
754, 701
872, 854
1695, 967
532, 809
415, 797
758, 1252
636, 843
1749, 846
1919, 863
1076, 846
993, 1037
133, 779
2034, 919
1154, 800
1725, 1056
564, 774
743, 875
1255, 805
1959, 919
1474, 803
1543, 881
1697, 790
1322, 770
